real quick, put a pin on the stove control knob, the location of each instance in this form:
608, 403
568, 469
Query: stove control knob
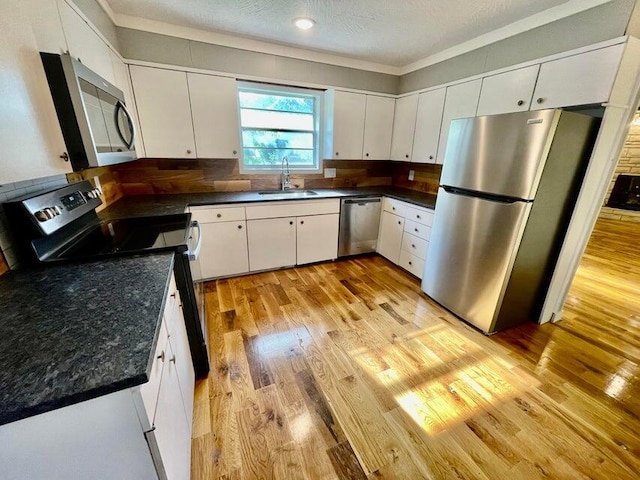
52, 212
43, 215
57, 209
91, 194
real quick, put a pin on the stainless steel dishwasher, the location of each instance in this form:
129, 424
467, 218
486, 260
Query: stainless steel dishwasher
359, 223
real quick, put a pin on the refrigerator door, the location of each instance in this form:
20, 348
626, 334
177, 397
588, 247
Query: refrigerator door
499, 154
471, 252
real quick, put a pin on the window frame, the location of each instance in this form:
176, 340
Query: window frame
318, 120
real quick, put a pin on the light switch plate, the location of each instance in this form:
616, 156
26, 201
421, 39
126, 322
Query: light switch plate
329, 173
411, 174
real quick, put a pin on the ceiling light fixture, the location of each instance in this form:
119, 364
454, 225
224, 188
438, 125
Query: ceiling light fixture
304, 23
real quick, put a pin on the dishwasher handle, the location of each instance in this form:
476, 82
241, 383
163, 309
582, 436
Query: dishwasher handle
361, 201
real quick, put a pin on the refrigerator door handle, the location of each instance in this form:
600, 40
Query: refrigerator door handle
483, 195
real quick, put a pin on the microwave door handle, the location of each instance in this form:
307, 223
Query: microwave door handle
121, 106
193, 254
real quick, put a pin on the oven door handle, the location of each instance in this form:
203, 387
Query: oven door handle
193, 254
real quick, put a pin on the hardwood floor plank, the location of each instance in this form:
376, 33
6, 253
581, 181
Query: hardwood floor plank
345, 462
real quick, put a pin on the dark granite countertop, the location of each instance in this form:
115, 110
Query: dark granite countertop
148, 205
72, 332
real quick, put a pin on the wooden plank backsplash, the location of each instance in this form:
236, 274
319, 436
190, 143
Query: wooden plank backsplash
111, 191
426, 176
156, 176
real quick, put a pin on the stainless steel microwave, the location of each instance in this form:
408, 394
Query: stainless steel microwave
97, 128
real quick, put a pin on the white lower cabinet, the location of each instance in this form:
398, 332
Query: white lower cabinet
142, 433
390, 236
317, 237
404, 234
272, 243
224, 246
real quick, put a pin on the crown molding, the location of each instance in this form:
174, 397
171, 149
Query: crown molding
550, 15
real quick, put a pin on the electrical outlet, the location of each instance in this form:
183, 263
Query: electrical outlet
329, 173
411, 174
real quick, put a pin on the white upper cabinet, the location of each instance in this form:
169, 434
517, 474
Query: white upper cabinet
214, 106
85, 44
162, 98
30, 134
404, 124
508, 92
428, 123
378, 125
577, 80
461, 101
347, 126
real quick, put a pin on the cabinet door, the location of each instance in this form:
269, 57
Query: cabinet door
577, 80
348, 125
183, 363
461, 101
390, 238
378, 126
272, 243
172, 432
317, 238
214, 105
428, 123
162, 98
30, 133
85, 44
404, 124
224, 249
508, 92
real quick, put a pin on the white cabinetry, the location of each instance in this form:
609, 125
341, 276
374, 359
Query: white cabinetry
85, 44
428, 123
214, 106
404, 124
224, 248
461, 102
577, 80
316, 237
131, 434
378, 125
390, 236
346, 126
404, 234
162, 98
508, 92
292, 233
30, 135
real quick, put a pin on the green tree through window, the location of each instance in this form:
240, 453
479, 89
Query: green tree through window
278, 122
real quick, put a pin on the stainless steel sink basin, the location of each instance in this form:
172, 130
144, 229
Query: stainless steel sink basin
289, 193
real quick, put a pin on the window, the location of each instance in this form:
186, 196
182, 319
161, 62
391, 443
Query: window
278, 122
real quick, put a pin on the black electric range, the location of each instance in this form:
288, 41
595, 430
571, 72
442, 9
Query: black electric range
62, 225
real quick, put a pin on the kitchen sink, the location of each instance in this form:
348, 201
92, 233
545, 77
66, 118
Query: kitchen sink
289, 193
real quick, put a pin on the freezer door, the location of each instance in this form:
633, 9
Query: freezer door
499, 154
471, 251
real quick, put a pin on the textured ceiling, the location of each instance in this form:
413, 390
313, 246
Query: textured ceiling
390, 32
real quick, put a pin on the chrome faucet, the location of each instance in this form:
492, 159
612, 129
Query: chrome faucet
285, 179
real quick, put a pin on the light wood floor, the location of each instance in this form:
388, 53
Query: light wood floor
346, 370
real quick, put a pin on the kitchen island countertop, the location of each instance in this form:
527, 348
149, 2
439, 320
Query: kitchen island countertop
72, 332
167, 204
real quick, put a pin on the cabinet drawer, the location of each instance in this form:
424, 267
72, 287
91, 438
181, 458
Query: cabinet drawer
419, 215
417, 229
411, 263
394, 206
415, 245
217, 214
149, 391
293, 209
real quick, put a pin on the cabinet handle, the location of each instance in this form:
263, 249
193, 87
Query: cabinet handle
65, 156
406, 155
520, 103
189, 152
410, 263
219, 215
413, 245
235, 152
416, 229
540, 100
399, 222
418, 217
239, 227
173, 295
173, 358
366, 154
301, 222
393, 208
291, 222
337, 153
161, 356
430, 157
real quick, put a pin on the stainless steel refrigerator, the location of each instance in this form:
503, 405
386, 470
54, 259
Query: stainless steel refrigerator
507, 191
